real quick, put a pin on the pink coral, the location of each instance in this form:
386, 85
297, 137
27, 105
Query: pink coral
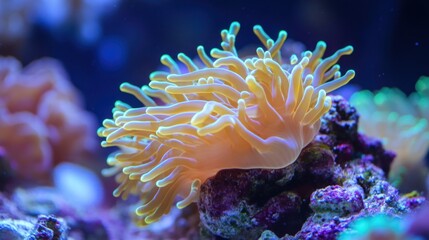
42, 121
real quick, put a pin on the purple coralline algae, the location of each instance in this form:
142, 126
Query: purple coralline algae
44, 228
338, 178
42, 213
16, 224
48, 227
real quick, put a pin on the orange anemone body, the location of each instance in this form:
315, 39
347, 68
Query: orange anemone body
226, 113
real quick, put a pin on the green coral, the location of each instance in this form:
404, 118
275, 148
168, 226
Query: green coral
376, 227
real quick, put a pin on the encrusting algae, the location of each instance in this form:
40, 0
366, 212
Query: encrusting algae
257, 112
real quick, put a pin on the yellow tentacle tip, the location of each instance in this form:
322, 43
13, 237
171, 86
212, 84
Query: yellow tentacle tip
224, 112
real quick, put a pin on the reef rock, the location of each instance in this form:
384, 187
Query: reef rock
339, 177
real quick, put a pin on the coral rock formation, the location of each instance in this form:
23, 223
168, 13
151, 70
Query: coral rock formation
338, 178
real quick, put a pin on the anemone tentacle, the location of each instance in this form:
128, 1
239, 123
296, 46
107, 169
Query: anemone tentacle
223, 112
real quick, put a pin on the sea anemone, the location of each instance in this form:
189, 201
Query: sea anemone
391, 116
420, 98
257, 112
42, 122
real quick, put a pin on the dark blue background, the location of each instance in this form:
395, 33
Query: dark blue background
391, 39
